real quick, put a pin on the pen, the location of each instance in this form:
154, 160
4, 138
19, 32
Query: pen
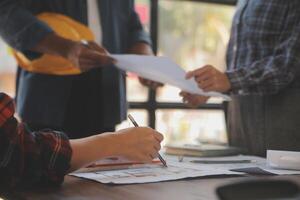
136, 125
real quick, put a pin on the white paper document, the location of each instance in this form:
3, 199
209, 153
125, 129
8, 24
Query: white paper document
161, 69
256, 162
180, 170
151, 173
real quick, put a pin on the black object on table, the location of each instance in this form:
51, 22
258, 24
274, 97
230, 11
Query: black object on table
259, 189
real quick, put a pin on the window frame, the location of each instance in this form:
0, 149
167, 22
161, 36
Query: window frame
151, 105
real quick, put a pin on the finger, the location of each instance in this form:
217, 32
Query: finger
187, 99
159, 84
205, 84
183, 94
158, 136
154, 85
157, 147
204, 76
192, 103
191, 74
153, 156
96, 56
198, 72
211, 88
148, 82
96, 47
84, 67
154, 153
88, 61
88, 64
151, 84
144, 81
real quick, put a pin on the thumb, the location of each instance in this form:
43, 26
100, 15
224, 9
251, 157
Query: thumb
189, 74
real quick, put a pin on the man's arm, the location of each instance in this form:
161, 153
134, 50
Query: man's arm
84, 56
29, 158
18, 27
140, 43
137, 33
275, 72
266, 76
23, 31
144, 49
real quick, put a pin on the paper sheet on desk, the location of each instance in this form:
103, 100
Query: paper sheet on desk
181, 170
258, 164
151, 174
161, 69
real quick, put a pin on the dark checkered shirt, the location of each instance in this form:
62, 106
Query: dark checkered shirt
264, 50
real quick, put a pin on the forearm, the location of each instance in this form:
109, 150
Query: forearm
90, 149
137, 144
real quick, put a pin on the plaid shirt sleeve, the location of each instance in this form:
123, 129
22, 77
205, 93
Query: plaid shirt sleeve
273, 73
29, 158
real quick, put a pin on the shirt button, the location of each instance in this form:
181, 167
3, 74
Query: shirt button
234, 48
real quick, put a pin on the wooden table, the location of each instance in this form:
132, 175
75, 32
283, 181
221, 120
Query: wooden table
80, 189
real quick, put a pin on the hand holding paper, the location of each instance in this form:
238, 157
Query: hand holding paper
209, 78
161, 69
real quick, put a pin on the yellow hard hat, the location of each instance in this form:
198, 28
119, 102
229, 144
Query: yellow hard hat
48, 64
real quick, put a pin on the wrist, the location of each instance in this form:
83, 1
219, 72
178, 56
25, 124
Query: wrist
228, 84
105, 145
235, 79
90, 149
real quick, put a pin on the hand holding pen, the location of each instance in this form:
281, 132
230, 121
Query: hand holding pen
140, 144
136, 125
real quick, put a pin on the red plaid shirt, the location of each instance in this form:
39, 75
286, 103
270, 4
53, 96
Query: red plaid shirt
30, 157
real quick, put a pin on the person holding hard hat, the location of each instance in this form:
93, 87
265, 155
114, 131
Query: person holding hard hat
66, 79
